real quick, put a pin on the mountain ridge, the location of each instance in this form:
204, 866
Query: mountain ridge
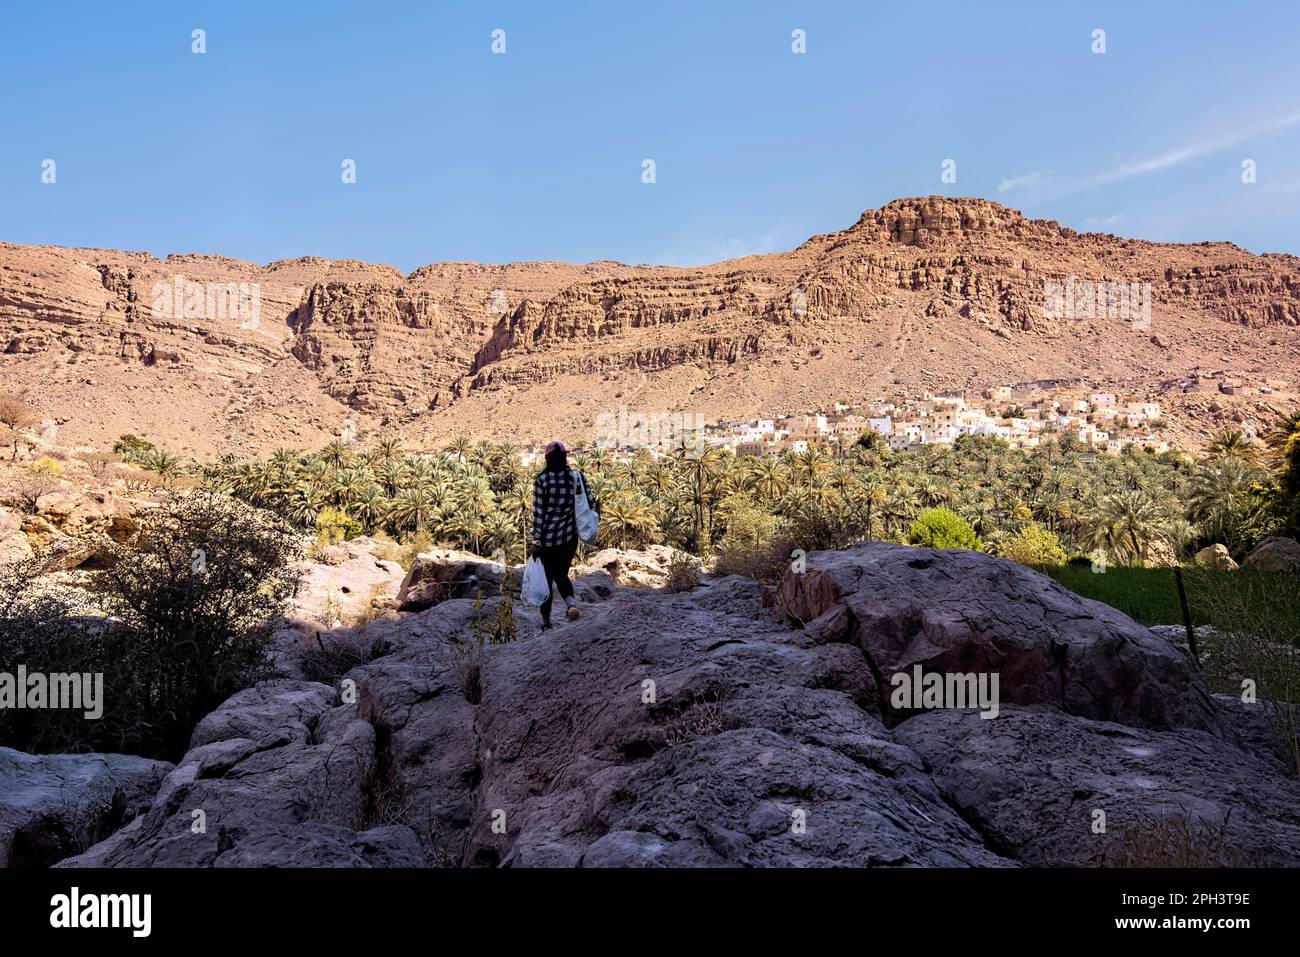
899, 302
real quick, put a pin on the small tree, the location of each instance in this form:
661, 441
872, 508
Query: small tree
196, 591
943, 528
40, 477
132, 448
1034, 545
335, 525
16, 414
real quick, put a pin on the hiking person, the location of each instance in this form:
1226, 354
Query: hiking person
555, 525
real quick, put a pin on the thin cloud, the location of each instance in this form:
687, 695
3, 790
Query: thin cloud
1184, 154
1008, 183
1101, 220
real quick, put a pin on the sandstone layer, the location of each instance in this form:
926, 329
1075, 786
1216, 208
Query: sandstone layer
923, 294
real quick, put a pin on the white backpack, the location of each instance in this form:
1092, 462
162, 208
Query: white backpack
587, 517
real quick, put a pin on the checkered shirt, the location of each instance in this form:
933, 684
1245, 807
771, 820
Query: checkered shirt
554, 521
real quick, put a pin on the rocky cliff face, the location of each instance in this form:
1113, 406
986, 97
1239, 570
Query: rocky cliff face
929, 293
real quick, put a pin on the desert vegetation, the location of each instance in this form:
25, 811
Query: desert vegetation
176, 623
1039, 507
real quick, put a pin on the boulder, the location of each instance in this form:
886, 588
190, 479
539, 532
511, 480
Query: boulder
643, 567
10, 523
53, 805
14, 548
73, 526
345, 583
657, 730
448, 573
82, 511
275, 777
1033, 780
958, 612
1274, 554
1217, 557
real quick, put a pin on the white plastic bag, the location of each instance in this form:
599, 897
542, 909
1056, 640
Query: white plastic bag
587, 517
535, 589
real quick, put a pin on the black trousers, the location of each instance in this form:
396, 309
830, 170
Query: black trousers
556, 559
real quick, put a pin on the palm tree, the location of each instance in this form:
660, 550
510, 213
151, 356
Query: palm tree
304, 502
389, 448
931, 490
900, 507
460, 447
1127, 523
629, 516
336, 454
284, 460
500, 532
1284, 442
1226, 499
870, 496
517, 503
768, 478
810, 465
699, 466
392, 475
413, 508
369, 507
1232, 444
347, 485
475, 500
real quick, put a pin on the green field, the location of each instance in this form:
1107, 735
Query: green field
1150, 596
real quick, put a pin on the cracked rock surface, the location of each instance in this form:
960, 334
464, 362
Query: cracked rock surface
731, 726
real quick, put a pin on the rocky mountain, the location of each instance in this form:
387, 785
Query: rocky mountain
923, 294
733, 725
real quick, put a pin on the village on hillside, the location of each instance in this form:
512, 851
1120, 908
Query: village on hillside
1024, 415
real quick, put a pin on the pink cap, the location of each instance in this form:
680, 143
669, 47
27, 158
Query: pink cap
552, 446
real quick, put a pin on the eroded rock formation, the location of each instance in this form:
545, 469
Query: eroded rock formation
898, 302
729, 726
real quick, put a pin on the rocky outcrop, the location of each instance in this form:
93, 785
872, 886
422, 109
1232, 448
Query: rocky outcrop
53, 805
642, 568
957, 612
67, 527
705, 729
346, 582
14, 546
273, 778
1274, 554
445, 574
1216, 557
1053, 789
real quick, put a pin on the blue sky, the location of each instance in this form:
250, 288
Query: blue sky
462, 154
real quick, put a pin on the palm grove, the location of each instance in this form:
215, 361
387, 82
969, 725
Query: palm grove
1039, 506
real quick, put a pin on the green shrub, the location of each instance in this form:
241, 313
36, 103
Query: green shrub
335, 525
748, 546
1033, 545
683, 573
180, 623
49, 630
132, 448
943, 528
